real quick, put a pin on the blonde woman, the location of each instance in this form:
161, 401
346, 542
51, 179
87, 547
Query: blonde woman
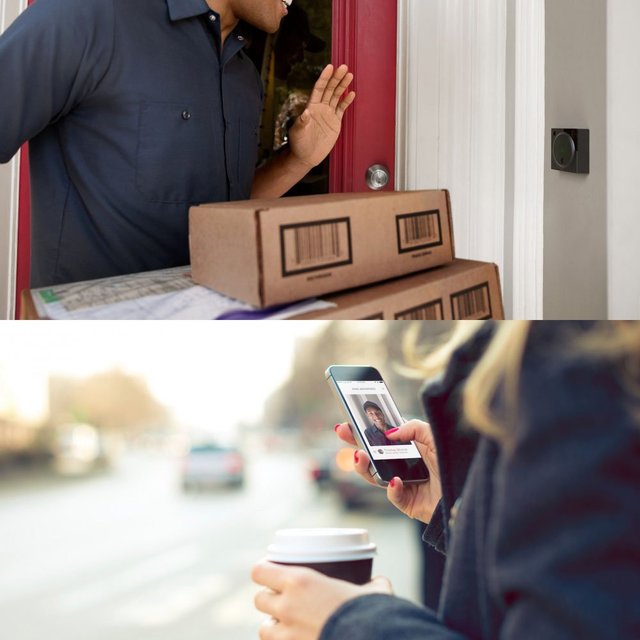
534, 452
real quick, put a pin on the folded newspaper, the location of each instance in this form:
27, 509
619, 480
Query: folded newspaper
167, 294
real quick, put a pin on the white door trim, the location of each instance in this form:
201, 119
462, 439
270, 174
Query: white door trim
529, 161
454, 127
471, 157
451, 113
9, 198
418, 90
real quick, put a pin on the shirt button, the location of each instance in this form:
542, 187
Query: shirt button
212, 17
240, 38
186, 115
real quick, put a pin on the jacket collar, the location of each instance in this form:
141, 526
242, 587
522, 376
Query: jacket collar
180, 9
184, 9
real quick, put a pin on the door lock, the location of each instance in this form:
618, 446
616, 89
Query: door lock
377, 177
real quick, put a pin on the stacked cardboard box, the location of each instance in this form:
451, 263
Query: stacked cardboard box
269, 252
462, 290
386, 255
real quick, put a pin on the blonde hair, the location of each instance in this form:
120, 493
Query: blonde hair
500, 365
616, 342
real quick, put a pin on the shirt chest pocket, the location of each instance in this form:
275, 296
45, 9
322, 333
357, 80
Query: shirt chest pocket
175, 159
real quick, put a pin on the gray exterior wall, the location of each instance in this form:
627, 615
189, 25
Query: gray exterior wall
575, 212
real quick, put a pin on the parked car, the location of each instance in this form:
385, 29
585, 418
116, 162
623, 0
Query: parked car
335, 470
319, 466
211, 465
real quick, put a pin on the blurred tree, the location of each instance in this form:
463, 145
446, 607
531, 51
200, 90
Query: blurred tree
305, 402
113, 400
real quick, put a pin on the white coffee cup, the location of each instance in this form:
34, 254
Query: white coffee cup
346, 554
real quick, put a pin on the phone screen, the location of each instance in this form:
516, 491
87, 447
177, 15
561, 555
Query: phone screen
375, 412
371, 412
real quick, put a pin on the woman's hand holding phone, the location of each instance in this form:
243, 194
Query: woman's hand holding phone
418, 501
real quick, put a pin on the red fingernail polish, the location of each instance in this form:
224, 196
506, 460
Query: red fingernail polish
392, 482
355, 456
391, 430
336, 427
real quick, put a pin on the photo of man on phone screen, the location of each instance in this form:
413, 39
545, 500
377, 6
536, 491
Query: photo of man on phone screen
378, 424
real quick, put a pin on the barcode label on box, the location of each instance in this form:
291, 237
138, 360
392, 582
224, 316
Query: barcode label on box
431, 311
312, 246
472, 304
419, 230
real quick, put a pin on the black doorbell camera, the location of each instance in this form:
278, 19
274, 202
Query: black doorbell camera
570, 150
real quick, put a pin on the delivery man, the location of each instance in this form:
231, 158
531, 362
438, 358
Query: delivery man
137, 110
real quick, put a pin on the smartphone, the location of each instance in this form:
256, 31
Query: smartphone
371, 411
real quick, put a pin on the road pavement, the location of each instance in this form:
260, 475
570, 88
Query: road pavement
127, 555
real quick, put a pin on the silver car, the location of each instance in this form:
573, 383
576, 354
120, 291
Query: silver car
212, 465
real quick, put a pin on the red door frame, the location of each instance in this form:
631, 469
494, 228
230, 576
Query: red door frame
24, 225
365, 38
24, 228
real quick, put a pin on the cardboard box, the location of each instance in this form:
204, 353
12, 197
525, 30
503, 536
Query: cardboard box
269, 252
463, 290
27, 308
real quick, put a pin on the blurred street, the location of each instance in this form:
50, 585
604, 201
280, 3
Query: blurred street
126, 554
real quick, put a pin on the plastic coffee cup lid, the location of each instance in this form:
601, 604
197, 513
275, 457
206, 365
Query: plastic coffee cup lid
320, 545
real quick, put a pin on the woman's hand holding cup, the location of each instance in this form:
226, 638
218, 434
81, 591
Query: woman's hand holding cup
299, 600
309, 574
417, 501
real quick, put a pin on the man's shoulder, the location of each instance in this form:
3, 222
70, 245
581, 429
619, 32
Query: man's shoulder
68, 11
60, 6
66, 25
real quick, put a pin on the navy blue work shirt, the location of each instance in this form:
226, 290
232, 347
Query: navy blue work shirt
134, 113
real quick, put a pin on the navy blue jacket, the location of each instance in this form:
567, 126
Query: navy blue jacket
544, 544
